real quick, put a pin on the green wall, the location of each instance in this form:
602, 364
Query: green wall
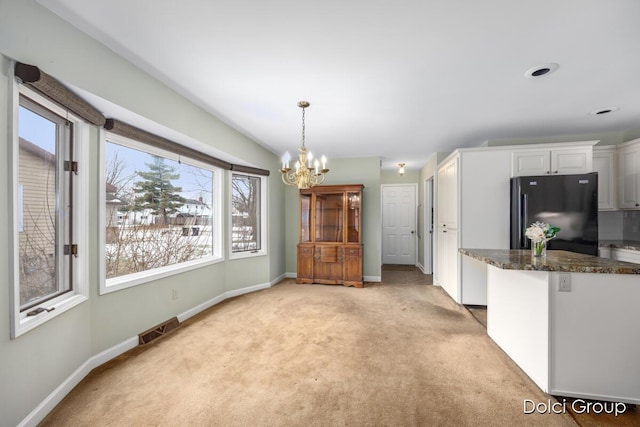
346, 171
33, 365
393, 177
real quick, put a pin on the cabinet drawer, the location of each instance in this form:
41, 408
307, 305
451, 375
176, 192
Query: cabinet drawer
352, 252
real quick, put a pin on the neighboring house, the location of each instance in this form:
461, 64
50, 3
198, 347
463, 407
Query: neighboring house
113, 216
36, 201
197, 210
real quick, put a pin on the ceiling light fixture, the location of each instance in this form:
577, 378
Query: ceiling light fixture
307, 173
401, 169
541, 70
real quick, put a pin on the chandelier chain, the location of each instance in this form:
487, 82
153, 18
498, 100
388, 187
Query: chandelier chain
303, 108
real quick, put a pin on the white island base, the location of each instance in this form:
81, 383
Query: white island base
582, 343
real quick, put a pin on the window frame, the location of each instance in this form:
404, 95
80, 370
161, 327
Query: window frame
79, 292
263, 217
134, 279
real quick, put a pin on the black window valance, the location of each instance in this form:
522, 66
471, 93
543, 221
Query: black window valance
52, 88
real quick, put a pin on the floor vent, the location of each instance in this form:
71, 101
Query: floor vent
157, 331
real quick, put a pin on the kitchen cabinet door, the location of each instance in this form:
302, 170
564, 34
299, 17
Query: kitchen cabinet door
448, 194
567, 161
561, 161
629, 164
604, 162
531, 162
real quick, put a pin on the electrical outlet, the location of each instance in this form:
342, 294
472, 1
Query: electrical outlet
564, 282
174, 294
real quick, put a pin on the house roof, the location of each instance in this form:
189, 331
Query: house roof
36, 150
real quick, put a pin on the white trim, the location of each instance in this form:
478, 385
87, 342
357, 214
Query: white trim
416, 219
142, 277
278, 279
20, 322
523, 146
427, 264
56, 396
421, 267
134, 279
290, 275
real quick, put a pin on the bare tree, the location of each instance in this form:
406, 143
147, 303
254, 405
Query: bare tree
245, 198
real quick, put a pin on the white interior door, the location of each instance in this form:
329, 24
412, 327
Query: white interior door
399, 224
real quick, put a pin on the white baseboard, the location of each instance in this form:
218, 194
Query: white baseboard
279, 279
291, 275
56, 396
51, 401
200, 307
372, 278
248, 289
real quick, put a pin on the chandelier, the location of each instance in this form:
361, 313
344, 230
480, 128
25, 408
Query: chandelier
308, 172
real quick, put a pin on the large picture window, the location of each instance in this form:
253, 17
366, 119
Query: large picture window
247, 215
161, 212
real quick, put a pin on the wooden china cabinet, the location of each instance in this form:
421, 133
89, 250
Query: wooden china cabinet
330, 244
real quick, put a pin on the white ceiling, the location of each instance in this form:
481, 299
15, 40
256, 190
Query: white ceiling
396, 79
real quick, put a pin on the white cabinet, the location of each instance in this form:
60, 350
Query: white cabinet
563, 161
620, 254
472, 211
448, 194
448, 258
604, 162
447, 220
629, 165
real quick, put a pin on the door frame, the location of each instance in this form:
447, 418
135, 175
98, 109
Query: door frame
415, 225
428, 229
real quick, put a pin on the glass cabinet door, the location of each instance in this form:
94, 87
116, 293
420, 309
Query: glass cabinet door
305, 217
353, 217
329, 217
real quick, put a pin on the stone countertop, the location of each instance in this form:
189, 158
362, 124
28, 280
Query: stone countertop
633, 245
563, 261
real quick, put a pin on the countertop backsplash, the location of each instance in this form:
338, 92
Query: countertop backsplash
610, 225
631, 225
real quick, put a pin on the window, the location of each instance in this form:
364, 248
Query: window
248, 219
47, 184
161, 213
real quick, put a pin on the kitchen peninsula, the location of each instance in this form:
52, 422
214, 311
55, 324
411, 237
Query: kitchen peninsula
570, 321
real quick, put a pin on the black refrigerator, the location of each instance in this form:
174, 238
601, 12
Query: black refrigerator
566, 201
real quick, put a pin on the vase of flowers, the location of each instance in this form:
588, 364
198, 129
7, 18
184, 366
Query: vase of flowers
540, 233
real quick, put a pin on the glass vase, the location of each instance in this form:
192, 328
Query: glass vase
539, 249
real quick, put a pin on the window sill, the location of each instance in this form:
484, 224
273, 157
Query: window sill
248, 254
27, 323
135, 279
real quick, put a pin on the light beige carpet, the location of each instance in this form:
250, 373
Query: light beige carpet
395, 354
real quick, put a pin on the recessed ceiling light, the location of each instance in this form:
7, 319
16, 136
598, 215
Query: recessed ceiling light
602, 111
541, 70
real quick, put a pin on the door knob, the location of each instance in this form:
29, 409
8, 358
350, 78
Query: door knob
412, 231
